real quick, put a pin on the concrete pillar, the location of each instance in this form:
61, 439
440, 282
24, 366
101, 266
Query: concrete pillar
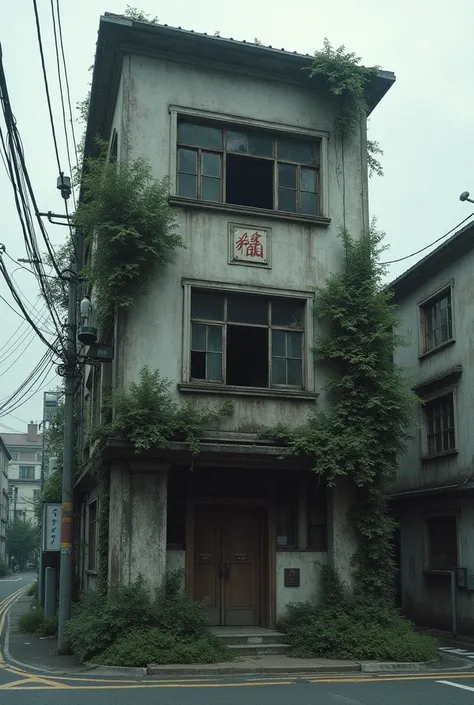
149, 519
137, 523
49, 592
342, 541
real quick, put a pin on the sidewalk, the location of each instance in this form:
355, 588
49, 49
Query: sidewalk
40, 654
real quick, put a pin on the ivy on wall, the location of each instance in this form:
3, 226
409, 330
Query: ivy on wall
363, 431
347, 81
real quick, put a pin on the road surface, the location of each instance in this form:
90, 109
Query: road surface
14, 582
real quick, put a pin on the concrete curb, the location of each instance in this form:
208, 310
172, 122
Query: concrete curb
393, 666
156, 670
99, 670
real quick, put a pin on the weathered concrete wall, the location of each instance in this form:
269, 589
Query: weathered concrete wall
426, 597
342, 542
411, 472
302, 254
137, 525
309, 564
176, 560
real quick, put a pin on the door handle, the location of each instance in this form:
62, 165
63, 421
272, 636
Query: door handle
226, 571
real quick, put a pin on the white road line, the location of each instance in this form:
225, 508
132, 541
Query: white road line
457, 685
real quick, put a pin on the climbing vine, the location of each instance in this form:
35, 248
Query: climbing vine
126, 215
362, 431
347, 82
147, 416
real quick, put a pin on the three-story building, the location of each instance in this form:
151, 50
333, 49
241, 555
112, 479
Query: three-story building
261, 186
5, 457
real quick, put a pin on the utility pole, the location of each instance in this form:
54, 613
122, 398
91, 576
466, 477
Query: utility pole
69, 372
15, 499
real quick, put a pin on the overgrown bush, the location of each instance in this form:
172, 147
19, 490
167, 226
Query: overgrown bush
33, 589
130, 628
31, 621
346, 627
3, 569
48, 627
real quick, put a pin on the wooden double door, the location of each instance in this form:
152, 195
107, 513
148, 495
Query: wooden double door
227, 563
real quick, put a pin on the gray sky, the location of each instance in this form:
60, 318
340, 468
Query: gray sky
424, 124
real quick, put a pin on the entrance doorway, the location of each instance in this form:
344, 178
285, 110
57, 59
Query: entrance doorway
227, 563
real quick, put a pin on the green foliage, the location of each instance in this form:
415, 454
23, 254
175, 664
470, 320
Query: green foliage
146, 646
22, 540
125, 211
48, 627
346, 627
375, 167
56, 288
132, 13
147, 415
361, 433
3, 569
347, 81
33, 590
30, 622
121, 628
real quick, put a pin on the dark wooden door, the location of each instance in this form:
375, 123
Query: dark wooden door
226, 564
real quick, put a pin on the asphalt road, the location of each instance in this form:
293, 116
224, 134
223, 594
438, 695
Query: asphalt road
16, 687
12, 583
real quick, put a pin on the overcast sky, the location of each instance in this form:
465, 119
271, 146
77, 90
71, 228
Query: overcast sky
424, 124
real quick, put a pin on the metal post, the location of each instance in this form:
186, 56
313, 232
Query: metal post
453, 602
41, 567
65, 573
15, 499
49, 592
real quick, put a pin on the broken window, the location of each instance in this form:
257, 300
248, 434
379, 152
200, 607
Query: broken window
248, 168
247, 341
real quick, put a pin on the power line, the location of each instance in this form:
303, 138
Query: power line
9, 428
67, 82
46, 86
63, 108
401, 259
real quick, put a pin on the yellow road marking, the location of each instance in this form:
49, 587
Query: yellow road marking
6, 686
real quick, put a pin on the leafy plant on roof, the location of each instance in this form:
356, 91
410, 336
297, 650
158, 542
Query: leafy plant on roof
347, 81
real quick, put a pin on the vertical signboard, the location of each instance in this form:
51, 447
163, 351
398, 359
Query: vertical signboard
51, 527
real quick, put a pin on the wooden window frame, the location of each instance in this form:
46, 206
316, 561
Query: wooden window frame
426, 307
231, 122
426, 402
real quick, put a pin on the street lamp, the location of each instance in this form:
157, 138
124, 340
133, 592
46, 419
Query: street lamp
465, 197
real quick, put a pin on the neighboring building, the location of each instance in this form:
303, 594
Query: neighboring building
4, 459
260, 188
24, 472
434, 490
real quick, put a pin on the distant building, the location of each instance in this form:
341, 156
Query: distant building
24, 472
4, 458
433, 496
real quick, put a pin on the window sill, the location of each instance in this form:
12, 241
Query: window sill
262, 212
446, 344
295, 549
91, 572
247, 391
436, 456
431, 571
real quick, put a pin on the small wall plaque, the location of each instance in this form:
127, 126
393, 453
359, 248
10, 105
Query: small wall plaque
292, 577
250, 245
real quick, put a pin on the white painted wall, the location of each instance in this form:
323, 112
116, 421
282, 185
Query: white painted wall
310, 564
303, 254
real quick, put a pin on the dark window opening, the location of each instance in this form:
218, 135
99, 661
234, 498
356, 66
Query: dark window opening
443, 542
247, 356
249, 181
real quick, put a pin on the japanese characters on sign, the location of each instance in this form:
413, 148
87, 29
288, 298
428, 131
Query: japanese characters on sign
249, 245
52, 527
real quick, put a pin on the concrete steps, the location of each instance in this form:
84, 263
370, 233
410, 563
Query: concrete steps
252, 642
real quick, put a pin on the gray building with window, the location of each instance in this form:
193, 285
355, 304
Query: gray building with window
24, 471
260, 185
433, 496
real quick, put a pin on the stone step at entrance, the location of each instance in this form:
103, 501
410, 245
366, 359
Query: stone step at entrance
251, 641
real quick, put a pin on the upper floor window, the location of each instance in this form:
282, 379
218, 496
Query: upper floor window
436, 321
27, 472
440, 424
251, 168
246, 340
